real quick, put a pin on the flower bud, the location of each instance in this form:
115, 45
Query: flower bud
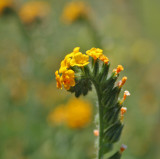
123, 148
96, 132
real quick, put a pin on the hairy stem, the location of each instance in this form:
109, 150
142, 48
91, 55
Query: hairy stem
100, 110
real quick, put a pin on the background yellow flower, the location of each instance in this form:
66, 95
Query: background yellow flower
58, 115
77, 113
34, 10
74, 10
5, 4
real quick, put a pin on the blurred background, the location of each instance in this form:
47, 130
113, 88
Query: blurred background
37, 121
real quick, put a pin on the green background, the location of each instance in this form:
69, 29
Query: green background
129, 33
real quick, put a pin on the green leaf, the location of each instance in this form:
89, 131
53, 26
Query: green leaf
107, 147
112, 114
110, 98
113, 133
96, 68
108, 84
104, 72
82, 87
117, 155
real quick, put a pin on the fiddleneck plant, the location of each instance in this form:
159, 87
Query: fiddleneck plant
78, 73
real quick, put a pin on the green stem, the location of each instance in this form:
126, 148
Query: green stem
26, 37
90, 76
100, 152
97, 41
100, 144
94, 33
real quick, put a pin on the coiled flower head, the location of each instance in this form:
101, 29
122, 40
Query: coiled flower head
74, 58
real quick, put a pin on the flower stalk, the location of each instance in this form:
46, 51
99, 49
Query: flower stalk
110, 109
26, 42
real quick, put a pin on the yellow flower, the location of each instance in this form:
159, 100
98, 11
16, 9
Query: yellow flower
33, 10
58, 79
95, 53
79, 59
104, 59
5, 4
74, 58
76, 49
65, 64
58, 115
74, 11
68, 79
78, 113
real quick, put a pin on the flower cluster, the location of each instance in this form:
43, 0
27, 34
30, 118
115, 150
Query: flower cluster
74, 58
75, 114
95, 53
